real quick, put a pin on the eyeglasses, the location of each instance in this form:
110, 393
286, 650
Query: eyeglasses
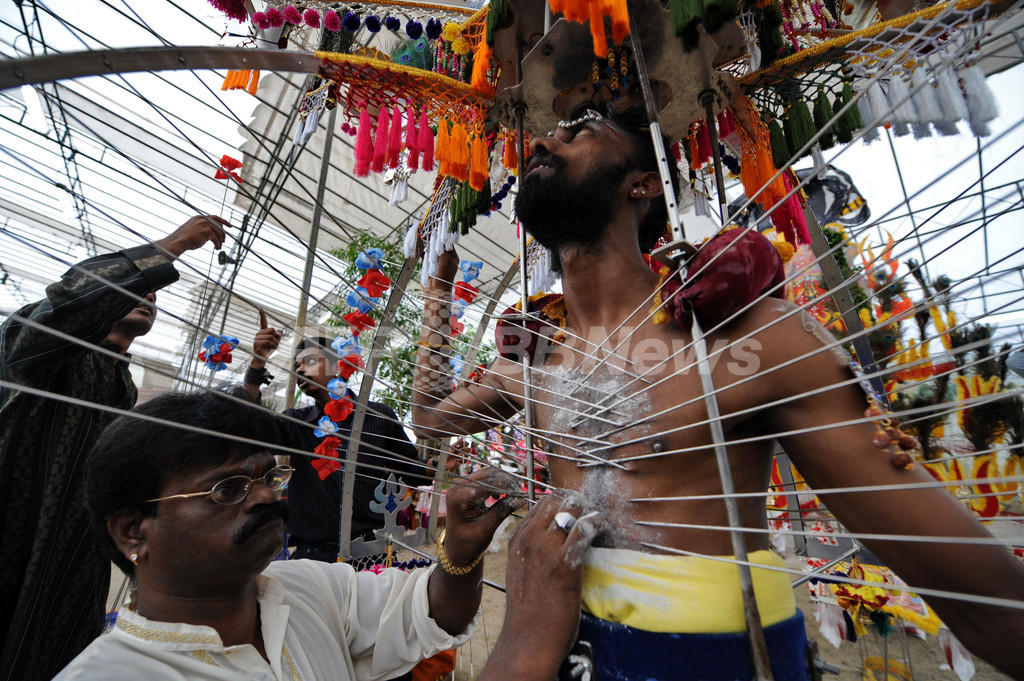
235, 489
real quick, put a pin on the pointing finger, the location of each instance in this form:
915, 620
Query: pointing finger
263, 318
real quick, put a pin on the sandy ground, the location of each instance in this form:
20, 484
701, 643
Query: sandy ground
925, 660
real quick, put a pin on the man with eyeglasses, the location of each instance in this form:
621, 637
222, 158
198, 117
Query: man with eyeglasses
58, 356
188, 492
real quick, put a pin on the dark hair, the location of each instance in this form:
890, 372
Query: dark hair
128, 462
320, 343
633, 121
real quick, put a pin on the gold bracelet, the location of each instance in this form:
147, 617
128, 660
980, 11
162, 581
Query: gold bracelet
434, 346
442, 558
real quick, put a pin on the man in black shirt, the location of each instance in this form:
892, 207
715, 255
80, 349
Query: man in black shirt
314, 503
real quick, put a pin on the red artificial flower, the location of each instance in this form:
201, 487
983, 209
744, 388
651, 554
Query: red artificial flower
338, 410
350, 365
375, 282
457, 326
329, 448
359, 321
227, 167
466, 292
202, 356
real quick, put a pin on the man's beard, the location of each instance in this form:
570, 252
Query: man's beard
561, 214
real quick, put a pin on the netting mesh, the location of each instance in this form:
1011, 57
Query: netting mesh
942, 31
374, 83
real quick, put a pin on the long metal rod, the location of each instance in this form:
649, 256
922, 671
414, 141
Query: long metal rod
707, 99
362, 402
755, 632
656, 138
531, 491
314, 234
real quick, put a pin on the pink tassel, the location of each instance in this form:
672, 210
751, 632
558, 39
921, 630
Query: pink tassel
380, 144
364, 145
726, 124
395, 139
788, 217
410, 139
425, 143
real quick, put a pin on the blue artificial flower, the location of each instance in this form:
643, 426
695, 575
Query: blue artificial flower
459, 308
372, 24
337, 388
351, 22
470, 269
413, 29
361, 300
370, 259
457, 363
392, 23
434, 29
347, 345
325, 427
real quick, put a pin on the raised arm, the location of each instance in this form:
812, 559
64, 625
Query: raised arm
845, 457
94, 294
437, 411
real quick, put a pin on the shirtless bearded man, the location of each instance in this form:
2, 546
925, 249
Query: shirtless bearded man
592, 194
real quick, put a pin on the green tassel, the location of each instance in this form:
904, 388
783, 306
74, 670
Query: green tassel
719, 12
800, 126
822, 118
780, 147
686, 16
850, 121
498, 17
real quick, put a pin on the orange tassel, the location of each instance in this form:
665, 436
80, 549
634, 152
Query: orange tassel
481, 65
255, 82
620, 20
460, 152
576, 10
242, 80
511, 156
478, 163
557, 6
597, 29
443, 148
694, 153
227, 80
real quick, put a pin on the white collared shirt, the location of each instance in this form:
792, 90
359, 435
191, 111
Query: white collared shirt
320, 621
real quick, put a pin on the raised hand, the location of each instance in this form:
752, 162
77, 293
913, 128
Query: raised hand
264, 343
193, 234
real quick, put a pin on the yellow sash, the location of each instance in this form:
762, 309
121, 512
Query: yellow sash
681, 594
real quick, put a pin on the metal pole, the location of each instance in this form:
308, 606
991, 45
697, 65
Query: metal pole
755, 632
707, 99
531, 492
314, 234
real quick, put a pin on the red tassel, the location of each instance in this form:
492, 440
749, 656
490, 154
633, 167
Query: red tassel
726, 124
425, 142
413, 161
364, 146
703, 144
380, 144
395, 139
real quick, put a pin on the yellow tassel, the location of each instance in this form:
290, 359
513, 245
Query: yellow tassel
254, 82
785, 250
481, 65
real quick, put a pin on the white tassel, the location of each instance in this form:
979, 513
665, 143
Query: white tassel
925, 101
451, 239
299, 127
412, 237
870, 130
819, 161
879, 106
980, 102
951, 99
904, 115
399, 191
755, 58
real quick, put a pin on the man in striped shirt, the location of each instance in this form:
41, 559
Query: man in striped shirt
58, 356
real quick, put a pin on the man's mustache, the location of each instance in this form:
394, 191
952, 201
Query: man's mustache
265, 514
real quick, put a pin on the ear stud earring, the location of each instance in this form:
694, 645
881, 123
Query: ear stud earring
134, 558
